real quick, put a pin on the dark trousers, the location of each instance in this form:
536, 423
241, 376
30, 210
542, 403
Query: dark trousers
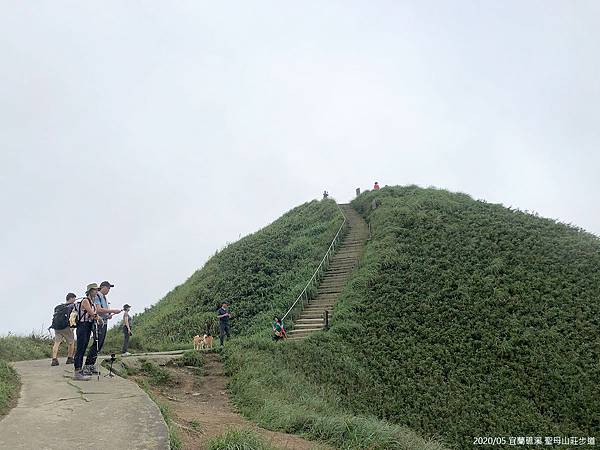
93, 352
84, 331
223, 331
125, 339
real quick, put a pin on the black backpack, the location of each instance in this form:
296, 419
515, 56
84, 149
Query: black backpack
60, 320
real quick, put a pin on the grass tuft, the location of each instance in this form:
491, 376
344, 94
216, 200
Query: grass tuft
239, 439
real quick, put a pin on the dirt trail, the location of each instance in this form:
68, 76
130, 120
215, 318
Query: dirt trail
202, 410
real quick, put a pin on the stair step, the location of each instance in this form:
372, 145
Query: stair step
317, 317
304, 331
317, 309
308, 326
335, 277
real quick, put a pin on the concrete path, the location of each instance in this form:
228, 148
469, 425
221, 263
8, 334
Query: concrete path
55, 412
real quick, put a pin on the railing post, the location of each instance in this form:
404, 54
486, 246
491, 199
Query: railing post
326, 320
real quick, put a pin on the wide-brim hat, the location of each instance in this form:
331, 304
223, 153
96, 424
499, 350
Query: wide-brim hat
91, 286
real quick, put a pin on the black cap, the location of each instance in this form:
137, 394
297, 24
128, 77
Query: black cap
126, 306
107, 284
70, 295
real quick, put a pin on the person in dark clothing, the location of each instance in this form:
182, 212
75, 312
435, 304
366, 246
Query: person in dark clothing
223, 315
126, 329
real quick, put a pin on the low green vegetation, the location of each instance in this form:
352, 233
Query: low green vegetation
9, 386
20, 348
155, 374
239, 439
192, 358
278, 385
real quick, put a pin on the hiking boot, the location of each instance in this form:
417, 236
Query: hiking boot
80, 376
70, 360
90, 370
54, 362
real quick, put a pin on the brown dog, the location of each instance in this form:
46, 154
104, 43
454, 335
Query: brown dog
204, 342
197, 342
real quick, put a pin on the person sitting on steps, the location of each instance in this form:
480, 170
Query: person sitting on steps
278, 329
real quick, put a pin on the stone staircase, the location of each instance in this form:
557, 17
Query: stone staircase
340, 268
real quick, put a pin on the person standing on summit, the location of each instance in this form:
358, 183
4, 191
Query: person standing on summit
105, 314
376, 187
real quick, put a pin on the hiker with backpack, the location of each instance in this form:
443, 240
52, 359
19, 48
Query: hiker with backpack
105, 313
62, 331
86, 318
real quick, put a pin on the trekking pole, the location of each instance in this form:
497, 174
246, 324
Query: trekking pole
96, 365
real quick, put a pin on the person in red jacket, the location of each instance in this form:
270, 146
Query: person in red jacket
376, 187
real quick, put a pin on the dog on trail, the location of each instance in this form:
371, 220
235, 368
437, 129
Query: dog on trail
203, 343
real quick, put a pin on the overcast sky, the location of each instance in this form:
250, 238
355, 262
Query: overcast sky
137, 138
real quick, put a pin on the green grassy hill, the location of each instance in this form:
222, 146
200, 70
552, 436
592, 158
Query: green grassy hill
465, 319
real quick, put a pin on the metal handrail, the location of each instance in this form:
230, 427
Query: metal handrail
329, 251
